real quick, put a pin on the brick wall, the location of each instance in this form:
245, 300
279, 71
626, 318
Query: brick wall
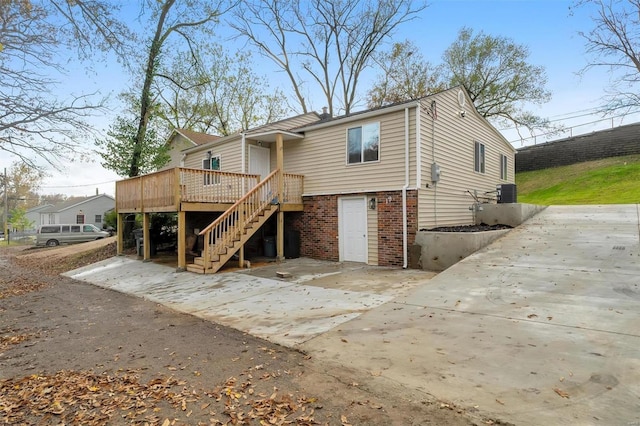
390, 225
623, 140
318, 226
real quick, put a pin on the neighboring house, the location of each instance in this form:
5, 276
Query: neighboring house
181, 139
78, 210
33, 215
354, 188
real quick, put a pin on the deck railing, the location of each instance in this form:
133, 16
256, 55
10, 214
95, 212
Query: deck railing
167, 188
229, 226
293, 187
210, 186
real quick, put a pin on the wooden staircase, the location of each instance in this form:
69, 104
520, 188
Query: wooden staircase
229, 232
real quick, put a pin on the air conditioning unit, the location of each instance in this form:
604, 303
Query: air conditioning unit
507, 193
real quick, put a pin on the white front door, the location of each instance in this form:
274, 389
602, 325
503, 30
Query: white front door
259, 161
352, 226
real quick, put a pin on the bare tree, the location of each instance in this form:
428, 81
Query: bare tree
614, 43
331, 42
186, 20
35, 125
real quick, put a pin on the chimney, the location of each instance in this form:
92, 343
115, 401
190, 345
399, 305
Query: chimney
325, 115
97, 193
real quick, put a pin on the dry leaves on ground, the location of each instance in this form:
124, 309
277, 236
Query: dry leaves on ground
8, 338
83, 397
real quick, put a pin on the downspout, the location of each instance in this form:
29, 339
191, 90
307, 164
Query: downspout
243, 150
243, 153
418, 149
404, 189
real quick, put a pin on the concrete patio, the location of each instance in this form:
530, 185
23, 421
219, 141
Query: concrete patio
540, 327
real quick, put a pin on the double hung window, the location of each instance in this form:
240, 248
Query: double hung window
363, 143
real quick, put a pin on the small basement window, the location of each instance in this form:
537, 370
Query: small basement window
478, 157
503, 167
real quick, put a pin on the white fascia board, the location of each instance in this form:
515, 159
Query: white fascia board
360, 116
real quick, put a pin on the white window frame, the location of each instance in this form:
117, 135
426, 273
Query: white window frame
207, 164
504, 162
365, 129
479, 157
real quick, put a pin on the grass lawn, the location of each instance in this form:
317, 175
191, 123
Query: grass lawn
614, 180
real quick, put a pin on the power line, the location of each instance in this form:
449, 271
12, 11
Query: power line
570, 128
77, 186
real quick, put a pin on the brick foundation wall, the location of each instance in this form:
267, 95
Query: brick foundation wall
390, 225
318, 226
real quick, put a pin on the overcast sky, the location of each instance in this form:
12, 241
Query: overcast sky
546, 26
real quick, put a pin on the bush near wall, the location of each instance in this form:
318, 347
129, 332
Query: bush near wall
623, 140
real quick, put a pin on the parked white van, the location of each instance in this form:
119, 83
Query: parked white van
54, 235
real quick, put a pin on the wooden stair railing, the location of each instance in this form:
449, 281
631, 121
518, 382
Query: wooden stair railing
225, 235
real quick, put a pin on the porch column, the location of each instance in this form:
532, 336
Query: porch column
280, 221
182, 241
145, 238
119, 235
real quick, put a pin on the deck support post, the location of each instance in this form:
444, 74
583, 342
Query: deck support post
182, 241
145, 238
120, 235
280, 221
241, 257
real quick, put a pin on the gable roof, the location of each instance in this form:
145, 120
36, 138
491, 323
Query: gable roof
285, 125
39, 208
197, 138
73, 202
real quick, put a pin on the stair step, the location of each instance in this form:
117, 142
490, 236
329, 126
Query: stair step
198, 269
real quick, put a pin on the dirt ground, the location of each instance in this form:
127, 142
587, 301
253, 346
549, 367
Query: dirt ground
73, 353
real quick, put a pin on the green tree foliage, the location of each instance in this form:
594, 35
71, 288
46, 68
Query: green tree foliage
19, 219
170, 19
23, 183
494, 70
117, 148
498, 77
221, 94
404, 74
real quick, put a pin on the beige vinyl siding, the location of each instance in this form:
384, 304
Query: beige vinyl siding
322, 157
448, 202
372, 234
178, 143
288, 124
230, 153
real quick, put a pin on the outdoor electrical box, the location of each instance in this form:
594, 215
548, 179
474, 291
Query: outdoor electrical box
435, 172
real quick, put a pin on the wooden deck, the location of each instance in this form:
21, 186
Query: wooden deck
183, 189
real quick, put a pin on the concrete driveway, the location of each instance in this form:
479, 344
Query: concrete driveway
540, 327
317, 296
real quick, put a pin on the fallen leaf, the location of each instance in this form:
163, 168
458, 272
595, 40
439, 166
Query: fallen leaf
343, 340
561, 392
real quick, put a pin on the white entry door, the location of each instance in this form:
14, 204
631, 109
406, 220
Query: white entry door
259, 161
352, 226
